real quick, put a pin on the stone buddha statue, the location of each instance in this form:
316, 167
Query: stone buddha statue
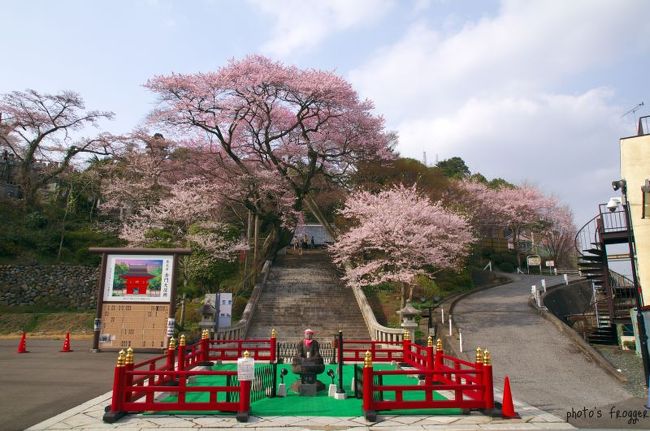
308, 363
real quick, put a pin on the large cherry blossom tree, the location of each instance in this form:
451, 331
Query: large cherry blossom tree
271, 118
40, 131
397, 235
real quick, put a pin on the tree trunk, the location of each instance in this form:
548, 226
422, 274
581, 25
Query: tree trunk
401, 295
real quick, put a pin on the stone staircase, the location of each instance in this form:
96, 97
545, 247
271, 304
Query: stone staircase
304, 291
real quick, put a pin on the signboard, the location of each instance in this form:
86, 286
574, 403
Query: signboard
171, 322
550, 264
138, 278
245, 369
534, 260
136, 297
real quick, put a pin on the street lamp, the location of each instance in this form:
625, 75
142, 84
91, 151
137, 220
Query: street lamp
612, 205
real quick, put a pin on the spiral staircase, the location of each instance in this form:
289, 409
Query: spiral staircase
613, 294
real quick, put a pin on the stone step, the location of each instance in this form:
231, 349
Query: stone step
306, 291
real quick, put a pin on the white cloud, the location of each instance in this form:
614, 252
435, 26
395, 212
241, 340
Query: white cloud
300, 25
494, 92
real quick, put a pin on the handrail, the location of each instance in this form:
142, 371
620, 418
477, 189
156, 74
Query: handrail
580, 245
377, 331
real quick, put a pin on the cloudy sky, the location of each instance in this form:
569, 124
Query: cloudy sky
531, 91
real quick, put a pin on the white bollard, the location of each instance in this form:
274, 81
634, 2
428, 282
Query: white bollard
460, 340
533, 289
442, 313
544, 284
555, 271
450, 325
566, 280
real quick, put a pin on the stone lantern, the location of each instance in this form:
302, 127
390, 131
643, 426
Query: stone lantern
408, 314
208, 317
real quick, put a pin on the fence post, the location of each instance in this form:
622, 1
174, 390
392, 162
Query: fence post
437, 364
171, 354
128, 367
205, 349
273, 347
406, 347
171, 363
339, 352
117, 402
488, 395
244, 397
368, 411
181, 353
428, 379
479, 369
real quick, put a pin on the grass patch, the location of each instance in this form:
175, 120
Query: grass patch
46, 323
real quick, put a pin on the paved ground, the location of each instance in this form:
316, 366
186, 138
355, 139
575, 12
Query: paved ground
87, 417
546, 370
44, 382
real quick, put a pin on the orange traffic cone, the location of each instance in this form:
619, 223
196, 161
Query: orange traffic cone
66, 343
507, 408
22, 346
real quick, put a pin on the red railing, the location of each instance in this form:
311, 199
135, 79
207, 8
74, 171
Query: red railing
471, 383
381, 351
138, 387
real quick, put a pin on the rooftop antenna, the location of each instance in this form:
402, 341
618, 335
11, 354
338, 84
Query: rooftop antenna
424, 158
633, 111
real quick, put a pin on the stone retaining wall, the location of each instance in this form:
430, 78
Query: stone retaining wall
55, 286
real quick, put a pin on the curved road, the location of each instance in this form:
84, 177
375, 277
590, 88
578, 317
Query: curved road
546, 370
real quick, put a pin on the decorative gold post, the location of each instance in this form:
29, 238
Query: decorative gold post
172, 344
439, 345
487, 358
121, 358
246, 354
430, 341
129, 357
205, 334
479, 355
407, 335
274, 333
182, 341
367, 361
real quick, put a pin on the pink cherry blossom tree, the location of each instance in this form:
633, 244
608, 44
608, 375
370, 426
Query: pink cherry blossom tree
523, 209
274, 119
397, 235
40, 131
558, 235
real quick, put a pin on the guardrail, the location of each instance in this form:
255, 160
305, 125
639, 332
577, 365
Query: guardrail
470, 383
148, 385
377, 332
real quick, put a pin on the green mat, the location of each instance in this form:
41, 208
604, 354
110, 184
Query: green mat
319, 405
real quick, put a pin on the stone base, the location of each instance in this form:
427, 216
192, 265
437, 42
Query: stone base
282, 390
307, 389
340, 396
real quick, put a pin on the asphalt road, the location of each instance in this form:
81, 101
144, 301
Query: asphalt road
40, 384
546, 370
